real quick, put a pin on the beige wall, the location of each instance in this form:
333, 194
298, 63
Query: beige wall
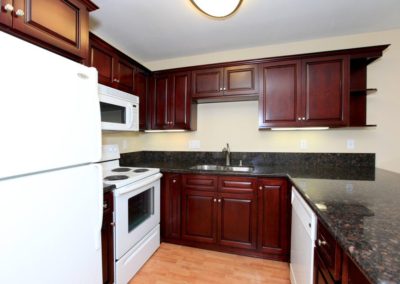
237, 122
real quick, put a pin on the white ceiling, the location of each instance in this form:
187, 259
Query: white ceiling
151, 30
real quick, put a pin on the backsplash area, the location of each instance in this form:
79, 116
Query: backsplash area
333, 165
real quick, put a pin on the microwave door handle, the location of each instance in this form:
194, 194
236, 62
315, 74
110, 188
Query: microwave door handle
130, 115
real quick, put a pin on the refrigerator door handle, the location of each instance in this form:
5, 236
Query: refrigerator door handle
100, 206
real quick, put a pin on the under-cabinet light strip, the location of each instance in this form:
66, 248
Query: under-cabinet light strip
301, 128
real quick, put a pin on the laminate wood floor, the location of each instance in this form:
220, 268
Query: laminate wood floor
180, 264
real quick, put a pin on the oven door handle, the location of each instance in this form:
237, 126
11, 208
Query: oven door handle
136, 185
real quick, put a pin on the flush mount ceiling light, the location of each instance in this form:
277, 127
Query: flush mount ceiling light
217, 8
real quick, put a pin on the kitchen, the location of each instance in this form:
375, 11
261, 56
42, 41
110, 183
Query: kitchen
218, 123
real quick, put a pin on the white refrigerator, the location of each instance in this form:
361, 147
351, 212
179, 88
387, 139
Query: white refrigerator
50, 191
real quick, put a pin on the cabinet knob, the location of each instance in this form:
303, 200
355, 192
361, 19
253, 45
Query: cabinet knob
19, 13
220, 89
105, 205
224, 89
174, 181
215, 200
219, 200
260, 187
112, 224
8, 8
304, 118
321, 243
299, 118
116, 80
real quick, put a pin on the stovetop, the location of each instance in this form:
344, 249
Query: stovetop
121, 176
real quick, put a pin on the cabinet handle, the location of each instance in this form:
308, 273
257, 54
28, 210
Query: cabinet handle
112, 224
224, 89
105, 205
174, 181
321, 243
20, 13
219, 200
220, 89
215, 200
260, 188
299, 118
8, 8
116, 80
304, 118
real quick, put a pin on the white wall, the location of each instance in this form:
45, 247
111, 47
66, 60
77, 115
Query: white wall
237, 122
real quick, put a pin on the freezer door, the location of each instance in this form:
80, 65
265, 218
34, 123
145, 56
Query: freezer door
49, 110
50, 227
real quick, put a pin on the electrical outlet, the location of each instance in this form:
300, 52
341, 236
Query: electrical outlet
351, 144
303, 144
194, 144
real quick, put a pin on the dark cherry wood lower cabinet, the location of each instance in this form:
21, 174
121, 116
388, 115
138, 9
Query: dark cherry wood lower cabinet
274, 218
107, 239
331, 264
351, 273
171, 188
222, 213
321, 274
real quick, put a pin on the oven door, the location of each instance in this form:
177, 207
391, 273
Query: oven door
118, 114
137, 212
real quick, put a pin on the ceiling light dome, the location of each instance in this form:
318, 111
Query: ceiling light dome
217, 8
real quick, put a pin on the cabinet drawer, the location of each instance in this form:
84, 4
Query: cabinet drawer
329, 251
108, 202
237, 184
200, 182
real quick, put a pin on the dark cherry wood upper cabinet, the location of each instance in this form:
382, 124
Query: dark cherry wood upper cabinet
171, 104
241, 80
159, 102
124, 73
103, 60
280, 98
116, 69
61, 24
224, 84
171, 188
141, 85
326, 91
208, 82
274, 217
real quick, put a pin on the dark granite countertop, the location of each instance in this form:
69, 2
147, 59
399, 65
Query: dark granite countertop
364, 217
358, 203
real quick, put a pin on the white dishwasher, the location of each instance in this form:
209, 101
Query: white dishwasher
304, 230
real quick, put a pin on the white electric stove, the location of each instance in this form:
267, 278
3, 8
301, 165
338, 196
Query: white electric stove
136, 213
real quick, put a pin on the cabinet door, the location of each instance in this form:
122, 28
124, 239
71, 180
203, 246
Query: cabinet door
241, 80
107, 239
321, 274
159, 103
171, 206
64, 24
180, 100
124, 72
237, 220
103, 60
326, 91
141, 92
199, 215
208, 83
5, 16
280, 101
273, 217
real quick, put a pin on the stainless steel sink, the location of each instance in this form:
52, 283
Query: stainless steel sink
222, 168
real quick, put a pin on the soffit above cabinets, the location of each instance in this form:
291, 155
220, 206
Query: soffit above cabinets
158, 29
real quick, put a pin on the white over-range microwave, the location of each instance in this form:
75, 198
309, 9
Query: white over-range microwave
119, 110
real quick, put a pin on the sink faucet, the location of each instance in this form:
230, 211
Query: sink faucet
227, 152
